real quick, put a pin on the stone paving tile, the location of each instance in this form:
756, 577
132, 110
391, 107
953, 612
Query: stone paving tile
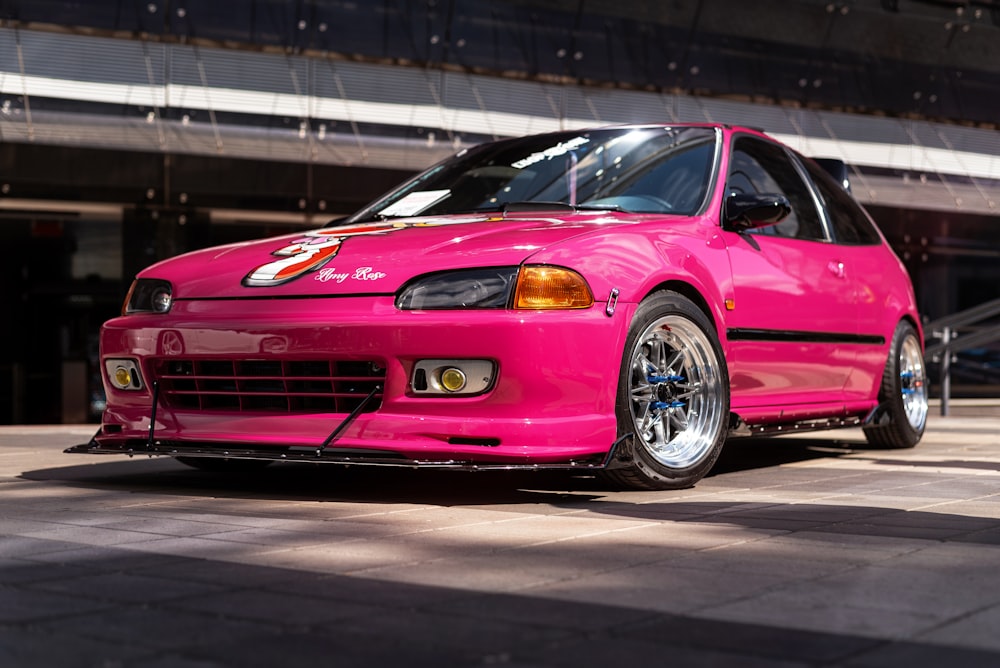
765, 642
90, 535
21, 571
169, 526
215, 572
885, 600
156, 627
339, 558
806, 608
664, 587
764, 557
286, 610
30, 648
670, 536
97, 559
628, 650
893, 531
24, 605
503, 570
310, 648
848, 547
277, 538
987, 537
192, 546
449, 632
586, 619
916, 655
124, 588
976, 630
13, 545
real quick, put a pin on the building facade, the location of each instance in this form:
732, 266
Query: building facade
132, 131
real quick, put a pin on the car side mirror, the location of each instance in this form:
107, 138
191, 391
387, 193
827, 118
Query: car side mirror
749, 211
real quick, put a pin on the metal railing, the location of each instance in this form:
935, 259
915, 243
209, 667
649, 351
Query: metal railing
954, 334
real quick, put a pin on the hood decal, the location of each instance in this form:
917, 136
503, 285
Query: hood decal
312, 251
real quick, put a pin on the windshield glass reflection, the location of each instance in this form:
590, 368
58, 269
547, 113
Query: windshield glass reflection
640, 170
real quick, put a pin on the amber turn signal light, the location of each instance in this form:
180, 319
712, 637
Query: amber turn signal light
544, 287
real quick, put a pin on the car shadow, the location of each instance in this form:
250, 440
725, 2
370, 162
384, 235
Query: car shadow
326, 482
745, 454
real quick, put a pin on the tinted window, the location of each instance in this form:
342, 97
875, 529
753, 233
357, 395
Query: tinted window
761, 167
850, 223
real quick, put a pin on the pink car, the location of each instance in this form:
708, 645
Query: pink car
621, 299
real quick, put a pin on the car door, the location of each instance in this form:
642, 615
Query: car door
794, 304
868, 265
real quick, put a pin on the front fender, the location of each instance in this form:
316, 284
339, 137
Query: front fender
641, 259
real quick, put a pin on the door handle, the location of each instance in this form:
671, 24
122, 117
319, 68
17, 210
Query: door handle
836, 268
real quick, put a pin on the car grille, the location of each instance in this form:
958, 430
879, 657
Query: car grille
269, 386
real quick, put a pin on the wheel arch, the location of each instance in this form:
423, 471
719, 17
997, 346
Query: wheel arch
917, 325
691, 292
689, 375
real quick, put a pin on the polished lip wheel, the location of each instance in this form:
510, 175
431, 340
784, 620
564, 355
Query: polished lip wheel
912, 382
676, 399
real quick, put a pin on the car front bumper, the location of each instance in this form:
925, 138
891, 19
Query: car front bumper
552, 400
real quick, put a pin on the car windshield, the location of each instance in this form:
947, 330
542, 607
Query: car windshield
639, 170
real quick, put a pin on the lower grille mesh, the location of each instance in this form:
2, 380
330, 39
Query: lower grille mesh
268, 386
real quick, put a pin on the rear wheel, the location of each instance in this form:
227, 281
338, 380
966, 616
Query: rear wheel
902, 412
673, 395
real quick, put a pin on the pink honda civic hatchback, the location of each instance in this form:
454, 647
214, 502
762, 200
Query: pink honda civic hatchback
621, 300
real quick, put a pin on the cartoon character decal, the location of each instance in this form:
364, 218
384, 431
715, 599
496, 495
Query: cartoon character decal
312, 251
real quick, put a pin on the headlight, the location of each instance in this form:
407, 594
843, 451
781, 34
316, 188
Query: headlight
148, 295
531, 287
465, 288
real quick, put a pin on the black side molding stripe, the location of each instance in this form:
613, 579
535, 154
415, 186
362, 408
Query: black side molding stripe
784, 336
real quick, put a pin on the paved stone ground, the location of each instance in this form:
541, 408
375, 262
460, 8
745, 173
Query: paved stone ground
802, 551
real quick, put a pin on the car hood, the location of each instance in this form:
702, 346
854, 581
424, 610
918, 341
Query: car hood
368, 258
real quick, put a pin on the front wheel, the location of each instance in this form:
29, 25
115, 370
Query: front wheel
902, 412
673, 396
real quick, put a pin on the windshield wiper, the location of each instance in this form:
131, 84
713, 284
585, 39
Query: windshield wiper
515, 207
542, 205
600, 207
507, 207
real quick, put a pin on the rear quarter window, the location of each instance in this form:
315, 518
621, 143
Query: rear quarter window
851, 225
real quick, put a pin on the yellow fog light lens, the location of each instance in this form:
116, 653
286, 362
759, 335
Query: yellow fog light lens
541, 287
123, 377
453, 379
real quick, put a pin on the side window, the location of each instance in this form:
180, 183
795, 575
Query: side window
758, 166
850, 223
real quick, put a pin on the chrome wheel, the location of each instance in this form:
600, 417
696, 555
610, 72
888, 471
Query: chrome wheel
675, 393
899, 419
912, 382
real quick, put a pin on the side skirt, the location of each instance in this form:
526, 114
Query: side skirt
739, 428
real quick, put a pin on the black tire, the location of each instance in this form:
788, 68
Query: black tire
674, 413
223, 465
902, 413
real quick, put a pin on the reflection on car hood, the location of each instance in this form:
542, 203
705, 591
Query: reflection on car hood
368, 258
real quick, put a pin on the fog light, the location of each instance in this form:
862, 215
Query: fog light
453, 379
123, 377
123, 374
